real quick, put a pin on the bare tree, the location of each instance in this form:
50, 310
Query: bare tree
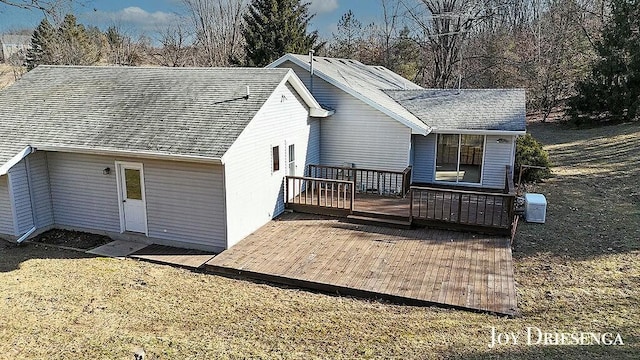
445, 24
175, 50
54, 8
217, 24
388, 30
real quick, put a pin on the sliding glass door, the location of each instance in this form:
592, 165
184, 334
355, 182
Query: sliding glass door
459, 158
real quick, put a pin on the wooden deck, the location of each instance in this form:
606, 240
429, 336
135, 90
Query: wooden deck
417, 266
175, 256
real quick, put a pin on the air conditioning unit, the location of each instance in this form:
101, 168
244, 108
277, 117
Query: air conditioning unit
535, 208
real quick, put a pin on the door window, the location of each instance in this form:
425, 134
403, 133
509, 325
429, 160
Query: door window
133, 190
292, 160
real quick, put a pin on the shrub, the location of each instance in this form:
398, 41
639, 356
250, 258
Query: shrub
530, 152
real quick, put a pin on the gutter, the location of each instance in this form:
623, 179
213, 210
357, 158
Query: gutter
480, 132
134, 154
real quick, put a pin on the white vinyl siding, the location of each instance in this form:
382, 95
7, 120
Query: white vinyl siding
255, 194
424, 158
357, 133
497, 156
21, 196
6, 215
81, 195
185, 201
40, 190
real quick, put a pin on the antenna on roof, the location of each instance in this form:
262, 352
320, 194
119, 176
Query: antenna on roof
248, 93
311, 52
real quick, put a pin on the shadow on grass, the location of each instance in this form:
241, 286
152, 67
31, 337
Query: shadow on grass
13, 254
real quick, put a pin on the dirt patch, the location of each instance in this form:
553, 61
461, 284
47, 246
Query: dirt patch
72, 239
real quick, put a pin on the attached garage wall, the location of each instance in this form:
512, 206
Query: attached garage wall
6, 215
185, 201
81, 195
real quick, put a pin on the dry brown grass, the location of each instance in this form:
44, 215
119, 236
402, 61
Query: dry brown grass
8, 74
578, 272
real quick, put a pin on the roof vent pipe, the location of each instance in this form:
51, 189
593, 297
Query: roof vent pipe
248, 93
311, 52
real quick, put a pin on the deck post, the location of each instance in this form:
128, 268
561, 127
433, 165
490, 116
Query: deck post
286, 191
459, 208
410, 206
353, 195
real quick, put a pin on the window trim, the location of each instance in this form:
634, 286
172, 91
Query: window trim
275, 158
458, 182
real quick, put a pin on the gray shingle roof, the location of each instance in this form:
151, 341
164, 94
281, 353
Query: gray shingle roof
364, 80
486, 109
164, 111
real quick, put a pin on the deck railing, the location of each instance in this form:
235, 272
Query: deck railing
464, 207
370, 181
328, 194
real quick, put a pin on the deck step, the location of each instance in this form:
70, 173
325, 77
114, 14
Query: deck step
372, 220
379, 215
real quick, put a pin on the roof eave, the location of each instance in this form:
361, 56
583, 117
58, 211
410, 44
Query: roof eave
315, 109
130, 153
4, 169
479, 132
415, 128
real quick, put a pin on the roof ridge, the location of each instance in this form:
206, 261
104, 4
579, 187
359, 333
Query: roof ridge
149, 67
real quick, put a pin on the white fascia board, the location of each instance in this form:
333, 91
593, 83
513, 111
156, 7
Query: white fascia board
16, 159
315, 109
479, 132
131, 153
415, 128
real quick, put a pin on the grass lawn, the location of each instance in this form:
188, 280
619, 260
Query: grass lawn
578, 272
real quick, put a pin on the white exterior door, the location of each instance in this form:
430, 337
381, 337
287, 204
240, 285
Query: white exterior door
133, 210
292, 160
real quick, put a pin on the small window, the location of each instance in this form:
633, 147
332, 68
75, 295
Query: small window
275, 155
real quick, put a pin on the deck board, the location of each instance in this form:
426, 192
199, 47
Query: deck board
420, 266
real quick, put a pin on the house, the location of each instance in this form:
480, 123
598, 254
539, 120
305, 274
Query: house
201, 158
14, 45
185, 157
383, 121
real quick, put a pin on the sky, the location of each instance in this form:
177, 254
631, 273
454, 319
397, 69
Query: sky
149, 16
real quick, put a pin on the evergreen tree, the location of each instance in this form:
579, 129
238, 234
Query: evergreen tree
275, 27
76, 46
346, 40
405, 55
69, 44
612, 91
43, 43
